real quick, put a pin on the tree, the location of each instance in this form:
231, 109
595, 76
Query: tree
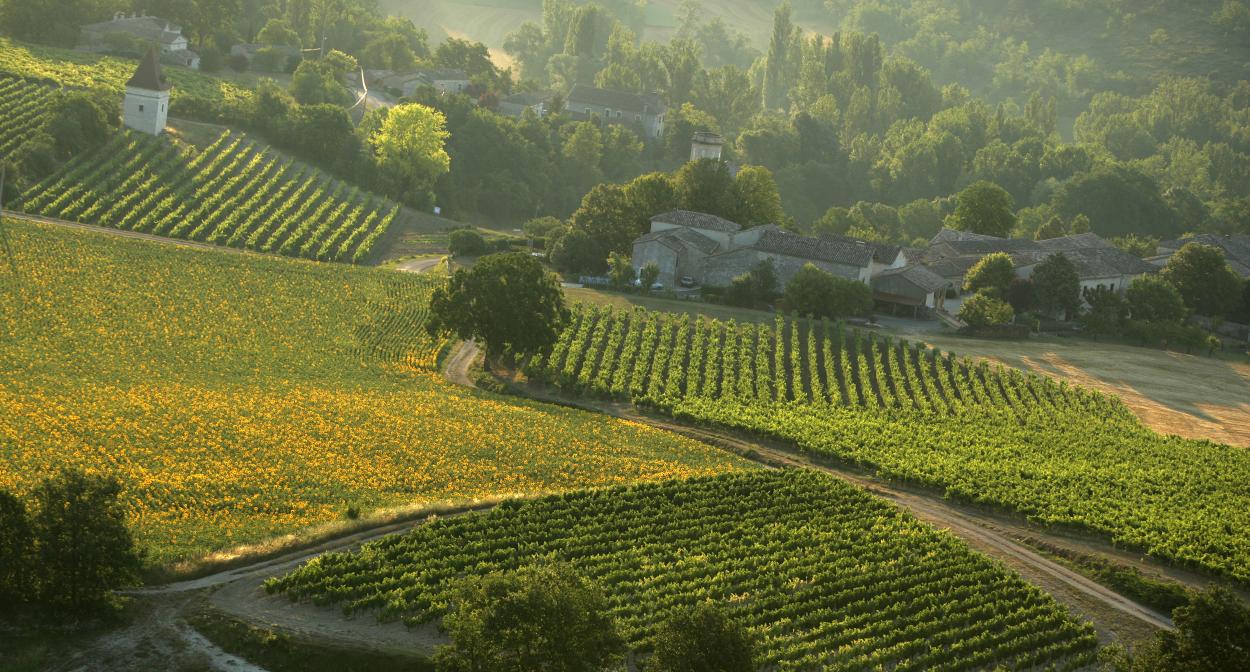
605, 215
540, 617
80, 120
1057, 285
985, 208
993, 274
1022, 295
1206, 283
409, 149
649, 195
279, 32
1153, 298
820, 294
16, 549
984, 310
1106, 313
542, 228
647, 275
702, 638
509, 301
1053, 228
316, 82
465, 243
621, 270
1118, 200
1212, 635
749, 289
756, 196
83, 548
577, 252
705, 186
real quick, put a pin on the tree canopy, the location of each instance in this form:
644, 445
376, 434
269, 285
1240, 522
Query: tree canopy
1204, 280
702, 638
985, 208
409, 145
1057, 285
820, 294
992, 274
509, 301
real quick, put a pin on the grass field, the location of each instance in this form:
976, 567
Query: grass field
239, 396
824, 575
1059, 454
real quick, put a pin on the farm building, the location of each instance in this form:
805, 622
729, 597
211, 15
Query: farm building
713, 251
910, 288
516, 104
444, 80
617, 107
135, 33
1236, 250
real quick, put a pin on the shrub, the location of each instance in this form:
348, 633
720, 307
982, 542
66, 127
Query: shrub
466, 243
819, 293
983, 310
702, 639
993, 273
1153, 297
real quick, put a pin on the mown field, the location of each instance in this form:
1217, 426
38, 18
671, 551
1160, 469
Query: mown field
239, 396
1056, 453
826, 576
232, 192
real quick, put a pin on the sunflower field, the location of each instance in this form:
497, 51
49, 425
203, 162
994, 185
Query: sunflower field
238, 396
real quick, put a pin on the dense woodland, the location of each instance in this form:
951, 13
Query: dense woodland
869, 130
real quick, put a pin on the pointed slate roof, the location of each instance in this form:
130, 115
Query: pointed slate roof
149, 77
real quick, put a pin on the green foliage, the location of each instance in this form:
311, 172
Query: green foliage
621, 270
702, 638
1106, 312
661, 548
985, 208
508, 301
79, 121
984, 310
1057, 285
1138, 246
543, 228
756, 198
820, 294
232, 192
83, 548
1118, 200
17, 580
1107, 473
540, 617
1204, 280
318, 81
1212, 634
1154, 298
409, 148
705, 186
992, 274
1022, 295
466, 243
647, 276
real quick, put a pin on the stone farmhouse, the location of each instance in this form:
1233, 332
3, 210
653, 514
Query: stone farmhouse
1098, 263
516, 104
713, 251
617, 107
141, 30
445, 80
1236, 250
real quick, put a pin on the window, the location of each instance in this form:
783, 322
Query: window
141, 107
637, 117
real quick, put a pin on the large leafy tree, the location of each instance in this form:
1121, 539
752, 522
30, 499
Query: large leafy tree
993, 274
705, 186
702, 638
818, 293
83, 548
1118, 200
985, 208
1206, 283
1212, 634
1154, 298
758, 201
409, 149
508, 301
542, 617
1057, 285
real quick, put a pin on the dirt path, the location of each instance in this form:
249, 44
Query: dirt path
994, 535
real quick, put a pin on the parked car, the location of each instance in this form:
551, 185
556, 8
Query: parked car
687, 281
657, 287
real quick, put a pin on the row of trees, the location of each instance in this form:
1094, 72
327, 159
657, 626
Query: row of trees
63, 557
1153, 309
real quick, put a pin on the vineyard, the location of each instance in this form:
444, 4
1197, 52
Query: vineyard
238, 397
21, 108
826, 576
1059, 454
66, 67
233, 193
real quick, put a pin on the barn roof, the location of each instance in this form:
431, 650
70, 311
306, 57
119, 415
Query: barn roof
697, 220
616, 100
779, 241
675, 238
917, 275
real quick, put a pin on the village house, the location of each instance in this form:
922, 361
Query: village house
135, 33
1236, 250
617, 107
712, 251
516, 104
444, 80
913, 288
951, 254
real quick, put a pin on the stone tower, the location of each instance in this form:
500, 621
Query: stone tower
147, 97
705, 145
